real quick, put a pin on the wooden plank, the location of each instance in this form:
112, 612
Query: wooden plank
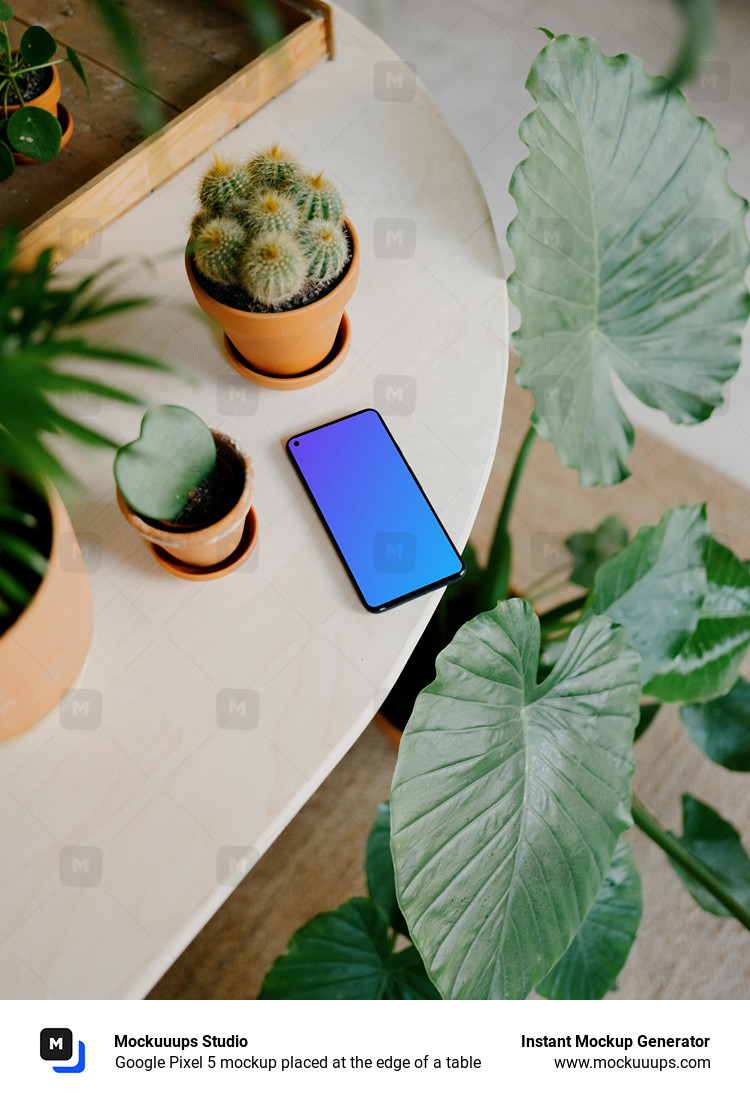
121, 180
73, 221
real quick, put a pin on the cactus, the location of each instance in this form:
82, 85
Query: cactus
273, 268
269, 228
223, 184
270, 211
317, 197
273, 167
199, 220
326, 248
218, 245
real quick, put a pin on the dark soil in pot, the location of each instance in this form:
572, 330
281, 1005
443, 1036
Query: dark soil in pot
31, 85
37, 534
237, 298
216, 495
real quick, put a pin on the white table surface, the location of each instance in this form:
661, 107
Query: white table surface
120, 836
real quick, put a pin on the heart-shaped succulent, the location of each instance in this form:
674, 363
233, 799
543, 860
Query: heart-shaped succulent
173, 454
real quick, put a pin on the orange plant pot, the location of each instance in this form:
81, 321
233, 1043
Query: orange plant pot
289, 342
205, 546
42, 654
47, 100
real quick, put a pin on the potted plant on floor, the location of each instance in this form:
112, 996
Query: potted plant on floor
512, 789
187, 491
272, 258
34, 126
46, 611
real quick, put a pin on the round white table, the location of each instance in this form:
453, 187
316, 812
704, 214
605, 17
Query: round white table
208, 713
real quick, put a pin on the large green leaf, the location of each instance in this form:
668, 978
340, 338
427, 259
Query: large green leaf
656, 585
381, 884
590, 549
649, 711
37, 46
345, 955
630, 253
709, 662
509, 797
717, 845
35, 133
590, 966
722, 727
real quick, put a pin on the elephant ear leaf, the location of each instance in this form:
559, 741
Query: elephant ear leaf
345, 954
509, 797
630, 251
589, 968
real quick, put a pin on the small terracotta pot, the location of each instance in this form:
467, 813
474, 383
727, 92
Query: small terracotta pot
289, 342
48, 99
42, 654
206, 545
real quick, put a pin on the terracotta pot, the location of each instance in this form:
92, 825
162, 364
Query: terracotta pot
289, 342
42, 654
48, 100
207, 545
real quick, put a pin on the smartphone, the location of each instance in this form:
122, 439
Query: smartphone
384, 528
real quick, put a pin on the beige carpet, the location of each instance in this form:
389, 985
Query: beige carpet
681, 952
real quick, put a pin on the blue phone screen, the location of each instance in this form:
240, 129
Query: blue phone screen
378, 516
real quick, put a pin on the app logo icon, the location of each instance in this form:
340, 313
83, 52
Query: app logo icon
56, 1045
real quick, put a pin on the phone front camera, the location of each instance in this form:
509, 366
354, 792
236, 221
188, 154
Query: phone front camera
296, 443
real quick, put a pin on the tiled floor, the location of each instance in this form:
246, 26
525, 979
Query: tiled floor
474, 56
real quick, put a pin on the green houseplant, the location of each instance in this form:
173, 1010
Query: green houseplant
46, 615
272, 258
29, 94
513, 783
187, 491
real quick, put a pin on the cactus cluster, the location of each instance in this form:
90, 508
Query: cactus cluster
270, 228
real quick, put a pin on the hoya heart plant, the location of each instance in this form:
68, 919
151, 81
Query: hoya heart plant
187, 490
171, 458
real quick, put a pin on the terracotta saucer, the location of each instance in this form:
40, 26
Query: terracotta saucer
222, 568
331, 363
65, 118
